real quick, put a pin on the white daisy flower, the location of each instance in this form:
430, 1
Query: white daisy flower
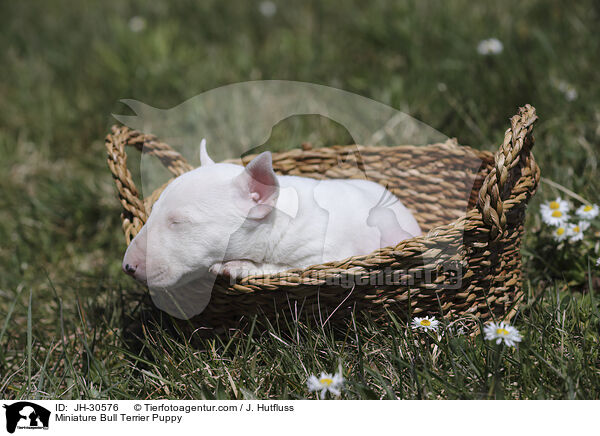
267, 8
588, 211
568, 90
502, 332
326, 382
490, 46
575, 231
558, 204
598, 262
555, 217
560, 233
426, 323
571, 93
137, 24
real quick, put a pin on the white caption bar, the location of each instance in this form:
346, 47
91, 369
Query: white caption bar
313, 417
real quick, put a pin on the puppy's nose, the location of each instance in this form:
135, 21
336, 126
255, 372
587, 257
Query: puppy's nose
129, 269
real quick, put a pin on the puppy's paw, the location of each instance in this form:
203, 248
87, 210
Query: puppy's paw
234, 268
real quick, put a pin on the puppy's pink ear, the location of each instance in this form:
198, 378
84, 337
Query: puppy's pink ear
258, 186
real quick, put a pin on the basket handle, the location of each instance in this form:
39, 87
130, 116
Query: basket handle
134, 212
513, 155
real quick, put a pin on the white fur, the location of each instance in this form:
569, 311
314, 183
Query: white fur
224, 219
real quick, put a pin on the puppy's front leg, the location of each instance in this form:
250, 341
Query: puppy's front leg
233, 268
243, 268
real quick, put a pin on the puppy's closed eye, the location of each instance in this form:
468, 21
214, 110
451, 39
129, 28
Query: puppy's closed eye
177, 219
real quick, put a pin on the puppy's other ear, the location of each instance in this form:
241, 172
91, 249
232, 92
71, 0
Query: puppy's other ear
204, 157
259, 186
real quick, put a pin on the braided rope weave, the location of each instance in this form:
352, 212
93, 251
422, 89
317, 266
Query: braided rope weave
466, 262
516, 146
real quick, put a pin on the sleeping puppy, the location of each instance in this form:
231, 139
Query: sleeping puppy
225, 219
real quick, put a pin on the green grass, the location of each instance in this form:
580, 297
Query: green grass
73, 326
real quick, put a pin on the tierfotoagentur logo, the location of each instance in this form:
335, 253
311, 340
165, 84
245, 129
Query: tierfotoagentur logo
198, 228
25, 415
387, 277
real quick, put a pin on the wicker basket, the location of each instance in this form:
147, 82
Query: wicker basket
470, 258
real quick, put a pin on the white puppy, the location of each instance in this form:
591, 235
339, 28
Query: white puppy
227, 219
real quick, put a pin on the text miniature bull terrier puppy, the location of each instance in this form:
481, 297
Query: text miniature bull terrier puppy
223, 218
